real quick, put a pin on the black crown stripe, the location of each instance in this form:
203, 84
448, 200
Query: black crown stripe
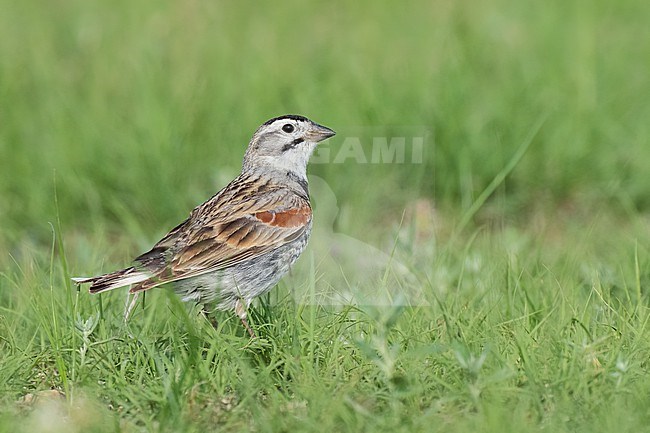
287, 116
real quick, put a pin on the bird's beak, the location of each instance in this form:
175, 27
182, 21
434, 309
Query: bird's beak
319, 133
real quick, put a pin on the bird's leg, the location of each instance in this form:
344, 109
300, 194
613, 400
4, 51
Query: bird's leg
129, 306
207, 314
240, 310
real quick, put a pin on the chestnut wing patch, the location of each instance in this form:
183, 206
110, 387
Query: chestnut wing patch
289, 218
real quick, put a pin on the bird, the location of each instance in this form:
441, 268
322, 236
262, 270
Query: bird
238, 244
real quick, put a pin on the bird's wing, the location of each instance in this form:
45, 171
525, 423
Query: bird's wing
226, 231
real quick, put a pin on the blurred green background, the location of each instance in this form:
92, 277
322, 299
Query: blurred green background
118, 117
136, 112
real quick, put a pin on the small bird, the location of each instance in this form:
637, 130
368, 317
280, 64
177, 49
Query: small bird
238, 244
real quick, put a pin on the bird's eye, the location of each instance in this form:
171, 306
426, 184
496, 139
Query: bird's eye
288, 128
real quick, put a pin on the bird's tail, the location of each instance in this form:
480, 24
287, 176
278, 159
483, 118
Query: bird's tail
114, 280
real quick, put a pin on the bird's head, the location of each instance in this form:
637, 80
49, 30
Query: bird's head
284, 143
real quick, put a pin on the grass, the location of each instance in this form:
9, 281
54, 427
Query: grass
523, 251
